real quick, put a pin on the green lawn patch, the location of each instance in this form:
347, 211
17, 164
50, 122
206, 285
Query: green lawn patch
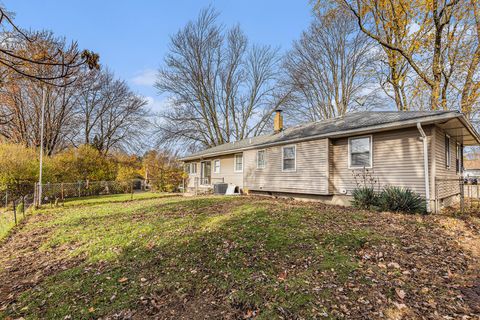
223, 256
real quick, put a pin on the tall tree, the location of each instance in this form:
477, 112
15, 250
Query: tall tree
220, 88
429, 36
96, 109
110, 114
22, 101
17, 60
329, 68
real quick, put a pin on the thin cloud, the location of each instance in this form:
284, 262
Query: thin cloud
145, 78
156, 105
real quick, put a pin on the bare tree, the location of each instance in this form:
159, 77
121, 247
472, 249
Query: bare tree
110, 114
21, 99
96, 109
220, 88
329, 68
18, 60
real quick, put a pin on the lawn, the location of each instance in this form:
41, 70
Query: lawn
237, 257
7, 220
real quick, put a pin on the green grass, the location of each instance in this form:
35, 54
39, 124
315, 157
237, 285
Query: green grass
6, 223
247, 254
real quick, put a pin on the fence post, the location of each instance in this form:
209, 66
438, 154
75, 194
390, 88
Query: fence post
79, 189
14, 212
23, 206
62, 191
6, 198
131, 189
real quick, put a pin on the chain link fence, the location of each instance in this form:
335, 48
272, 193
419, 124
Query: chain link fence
15, 200
455, 192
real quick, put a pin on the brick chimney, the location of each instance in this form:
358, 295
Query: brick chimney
278, 121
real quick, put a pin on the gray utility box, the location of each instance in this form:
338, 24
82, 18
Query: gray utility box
220, 188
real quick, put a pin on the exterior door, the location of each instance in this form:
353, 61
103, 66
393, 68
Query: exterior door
205, 172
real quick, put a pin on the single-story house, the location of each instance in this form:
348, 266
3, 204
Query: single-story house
319, 159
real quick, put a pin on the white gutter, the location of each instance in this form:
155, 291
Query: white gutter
425, 164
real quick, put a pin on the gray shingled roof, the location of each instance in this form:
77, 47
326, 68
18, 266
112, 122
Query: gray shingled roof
330, 127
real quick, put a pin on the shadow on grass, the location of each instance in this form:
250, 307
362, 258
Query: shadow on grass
231, 257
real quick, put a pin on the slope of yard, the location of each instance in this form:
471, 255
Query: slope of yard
239, 257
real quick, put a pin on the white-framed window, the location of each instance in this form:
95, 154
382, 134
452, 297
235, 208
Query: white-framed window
216, 166
238, 165
193, 168
448, 154
289, 158
360, 154
261, 161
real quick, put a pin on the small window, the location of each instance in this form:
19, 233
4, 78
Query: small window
238, 162
360, 152
193, 168
289, 158
216, 166
260, 159
448, 155
186, 167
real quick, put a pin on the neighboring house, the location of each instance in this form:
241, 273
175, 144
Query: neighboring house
318, 159
471, 169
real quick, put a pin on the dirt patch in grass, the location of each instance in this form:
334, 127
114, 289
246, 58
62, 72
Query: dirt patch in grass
23, 265
234, 258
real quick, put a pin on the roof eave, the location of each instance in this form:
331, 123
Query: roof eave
469, 127
382, 127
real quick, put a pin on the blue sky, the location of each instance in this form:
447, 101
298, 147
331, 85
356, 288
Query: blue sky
133, 36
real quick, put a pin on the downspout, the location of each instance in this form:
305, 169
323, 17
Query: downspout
425, 164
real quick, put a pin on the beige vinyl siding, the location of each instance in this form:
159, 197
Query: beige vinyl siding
227, 172
397, 161
310, 176
445, 188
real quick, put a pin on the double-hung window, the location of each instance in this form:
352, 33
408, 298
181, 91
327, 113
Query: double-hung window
289, 154
448, 154
193, 168
238, 163
216, 166
459, 158
360, 152
261, 159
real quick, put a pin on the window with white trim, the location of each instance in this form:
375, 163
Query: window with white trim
193, 168
448, 154
216, 166
289, 160
238, 163
261, 159
360, 152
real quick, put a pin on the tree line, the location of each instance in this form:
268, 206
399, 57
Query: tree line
355, 55
86, 163
84, 103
